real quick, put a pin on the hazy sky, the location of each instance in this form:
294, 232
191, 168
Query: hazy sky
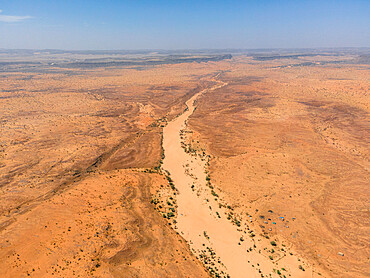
176, 24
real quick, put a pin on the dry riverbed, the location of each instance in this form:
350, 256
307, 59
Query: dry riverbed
221, 239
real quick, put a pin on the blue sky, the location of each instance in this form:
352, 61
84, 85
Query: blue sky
176, 24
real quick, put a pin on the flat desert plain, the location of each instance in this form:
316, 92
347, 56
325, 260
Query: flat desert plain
243, 166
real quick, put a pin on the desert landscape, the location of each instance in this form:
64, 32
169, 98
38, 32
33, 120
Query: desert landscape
243, 163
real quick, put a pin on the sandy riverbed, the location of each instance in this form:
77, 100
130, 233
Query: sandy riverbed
213, 239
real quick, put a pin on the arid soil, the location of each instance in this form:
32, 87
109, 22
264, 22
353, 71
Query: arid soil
220, 240
289, 150
278, 155
70, 205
